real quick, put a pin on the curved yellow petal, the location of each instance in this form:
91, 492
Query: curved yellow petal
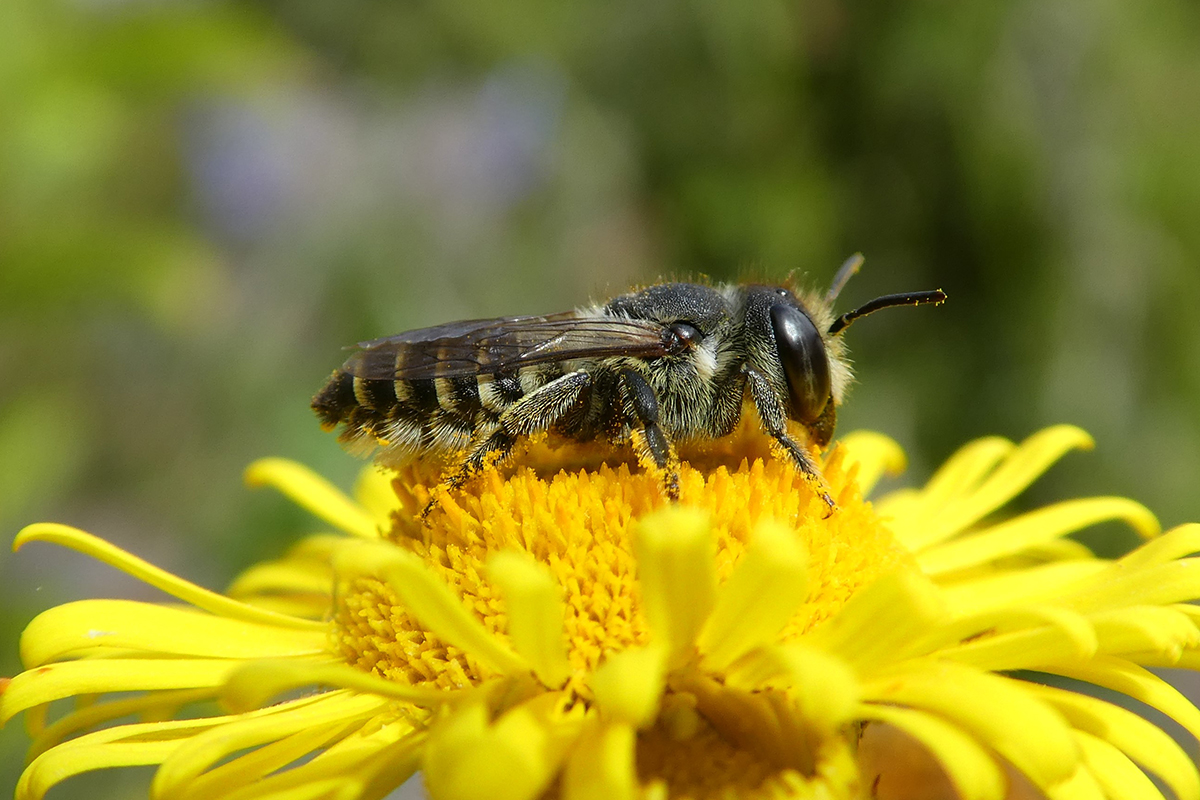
601, 765
629, 684
56, 765
310, 491
466, 758
767, 587
200, 752
1034, 528
98, 676
875, 455
535, 614
1019, 587
374, 492
283, 577
999, 712
1082, 785
127, 624
1129, 733
385, 756
971, 768
1067, 638
1010, 477
429, 599
823, 688
124, 745
97, 548
676, 574
155, 705
252, 766
1161, 629
1140, 684
254, 684
1114, 772
882, 622
1158, 584
1180, 541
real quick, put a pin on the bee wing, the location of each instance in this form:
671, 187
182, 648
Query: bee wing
487, 346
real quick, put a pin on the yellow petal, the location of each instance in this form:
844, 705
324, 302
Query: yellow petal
1127, 732
1181, 541
1160, 629
1000, 713
767, 586
125, 745
822, 687
65, 761
1114, 772
1140, 684
310, 491
95, 676
601, 765
252, 766
1068, 639
881, 622
676, 574
535, 614
254, 684
1080, 786
1018, 469
101, 550
468, 759
282, 576
628, 685
156, 705
875, 455
1037, 527
202, 751
970, 767
1018, 587
1154, 585
374, 492
427, 598
149, 628
381, 759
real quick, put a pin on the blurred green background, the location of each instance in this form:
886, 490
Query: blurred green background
202, 202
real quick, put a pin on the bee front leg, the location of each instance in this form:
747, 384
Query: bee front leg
774, 420
534, 413
650, 441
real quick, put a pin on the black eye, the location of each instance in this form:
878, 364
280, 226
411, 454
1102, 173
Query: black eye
687, 333
805, 364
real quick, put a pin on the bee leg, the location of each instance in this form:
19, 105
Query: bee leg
774, 420
650, 440
534, 413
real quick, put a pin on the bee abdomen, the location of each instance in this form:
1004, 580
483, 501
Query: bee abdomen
336, 400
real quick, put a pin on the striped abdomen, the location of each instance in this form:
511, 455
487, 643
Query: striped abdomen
410, 417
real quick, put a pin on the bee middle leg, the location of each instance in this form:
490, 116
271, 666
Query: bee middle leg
649, 439
534, 413
774, 420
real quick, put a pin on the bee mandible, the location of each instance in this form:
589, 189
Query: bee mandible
671, 363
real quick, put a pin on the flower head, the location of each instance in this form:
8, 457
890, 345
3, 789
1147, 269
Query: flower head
568, 632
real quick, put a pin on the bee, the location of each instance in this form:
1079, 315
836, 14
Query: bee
674, 362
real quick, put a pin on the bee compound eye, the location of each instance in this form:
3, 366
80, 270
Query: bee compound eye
687, 332
805, 362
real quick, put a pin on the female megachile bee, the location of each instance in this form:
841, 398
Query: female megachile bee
670, 363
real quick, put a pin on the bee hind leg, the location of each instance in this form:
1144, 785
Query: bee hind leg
650, 441
534, 413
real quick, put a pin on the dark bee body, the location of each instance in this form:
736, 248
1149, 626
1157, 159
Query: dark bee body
670, 363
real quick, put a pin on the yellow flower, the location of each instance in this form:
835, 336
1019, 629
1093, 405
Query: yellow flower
567, 633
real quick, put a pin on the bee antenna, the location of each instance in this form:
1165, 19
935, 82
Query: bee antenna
936, 297
849, 267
